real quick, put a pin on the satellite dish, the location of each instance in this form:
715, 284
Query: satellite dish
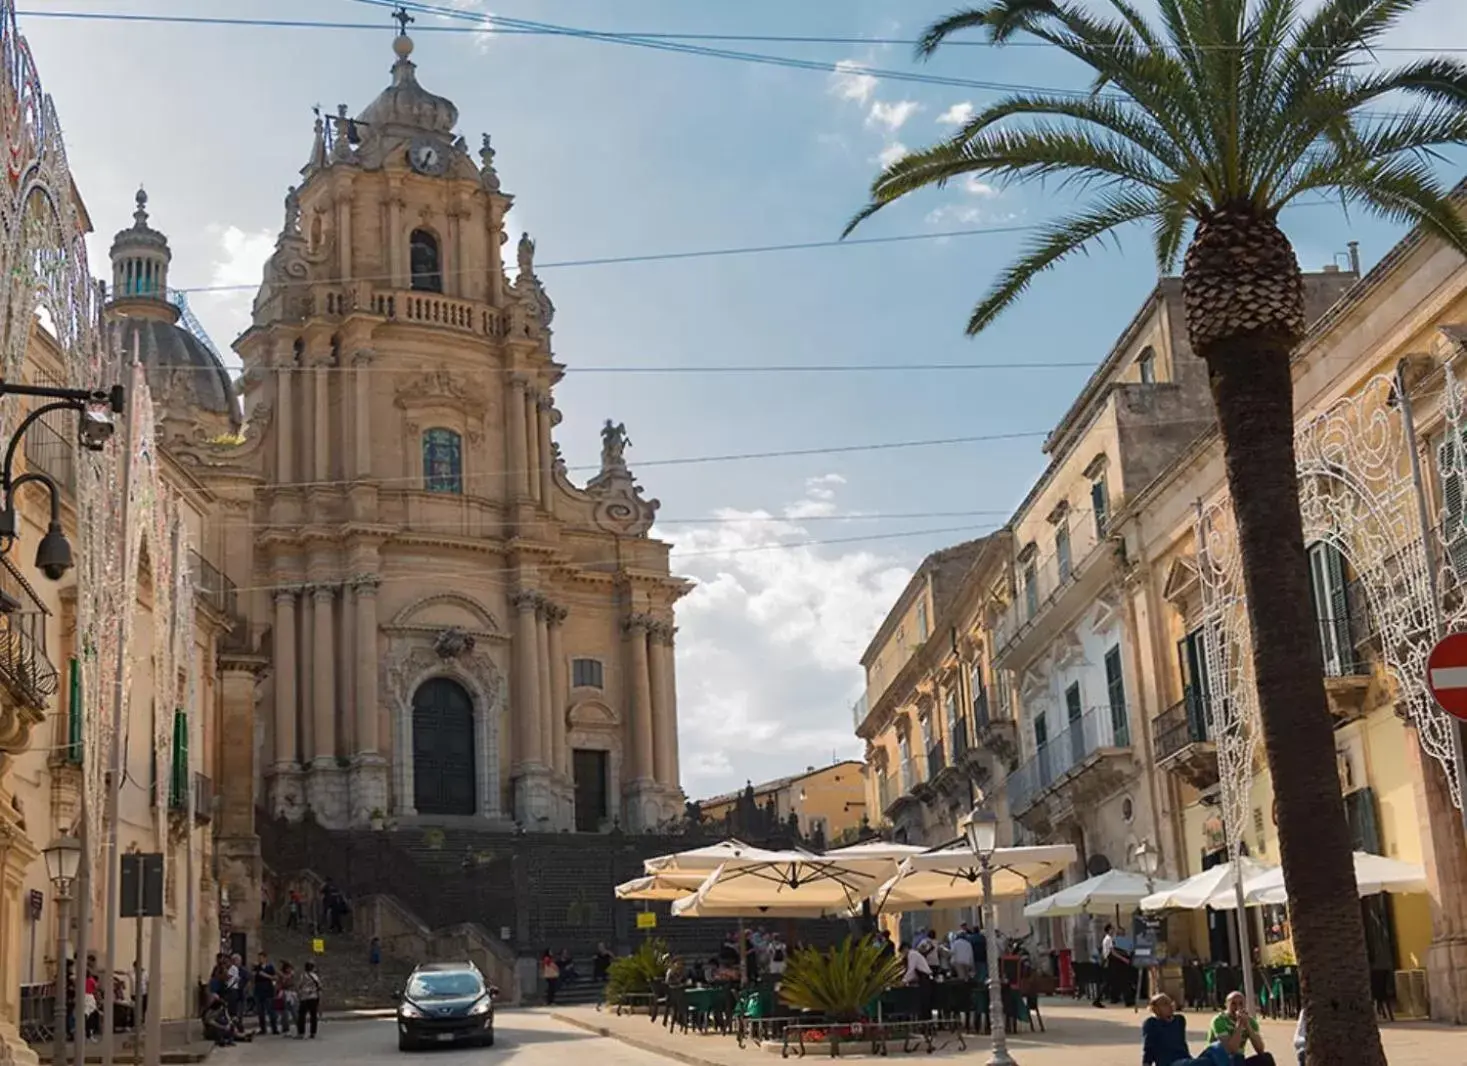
1097, 865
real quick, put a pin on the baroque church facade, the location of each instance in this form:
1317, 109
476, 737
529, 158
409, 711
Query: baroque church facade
443, 625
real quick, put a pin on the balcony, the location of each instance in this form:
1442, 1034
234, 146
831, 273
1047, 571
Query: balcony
1050, 590
1077, 767
1182, 742
27, 675
1350, 644
900, 791
435, 309
859, 710
48, 451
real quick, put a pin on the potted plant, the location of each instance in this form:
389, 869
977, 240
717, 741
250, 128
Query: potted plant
839, 984
377, 818
634, 975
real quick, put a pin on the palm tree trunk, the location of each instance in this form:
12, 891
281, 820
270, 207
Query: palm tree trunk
1253, 391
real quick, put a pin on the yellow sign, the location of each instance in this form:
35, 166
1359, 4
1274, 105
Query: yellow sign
647, 920
318, 946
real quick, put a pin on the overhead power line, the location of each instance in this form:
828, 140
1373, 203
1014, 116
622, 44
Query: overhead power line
756, 368
848, 40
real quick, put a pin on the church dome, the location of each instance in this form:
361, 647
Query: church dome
173, 358
405, 102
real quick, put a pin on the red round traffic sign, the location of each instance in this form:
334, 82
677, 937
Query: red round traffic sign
1446, 674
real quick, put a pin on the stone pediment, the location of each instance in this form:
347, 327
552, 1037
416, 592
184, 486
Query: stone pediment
441, 388
1181, 581
592, 714
449, 610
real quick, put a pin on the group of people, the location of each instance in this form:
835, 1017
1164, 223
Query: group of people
557, 969
962, 955
1231, 1036
91, 1000
281, 999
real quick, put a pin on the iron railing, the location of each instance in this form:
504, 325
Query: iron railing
1096, 729
859, 710
960, 742
49, 452
1183, 723
886, 790
214, 587
1040, 581
936, 760
980, 707
24, 667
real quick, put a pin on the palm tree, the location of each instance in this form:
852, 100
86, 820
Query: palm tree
1208, 122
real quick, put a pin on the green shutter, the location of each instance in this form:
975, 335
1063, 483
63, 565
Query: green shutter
74, 715
178, 779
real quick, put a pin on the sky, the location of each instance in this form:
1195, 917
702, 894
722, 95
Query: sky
615, 151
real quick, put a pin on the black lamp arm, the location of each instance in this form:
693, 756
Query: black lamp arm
6, 486
50, 487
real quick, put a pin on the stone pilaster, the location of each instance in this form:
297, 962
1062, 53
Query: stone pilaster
286, 791
285, 372
544, 412
327, 784
518, 458
544, 714
1444, 854
664, 704
639, 709
17, 853
532, 791
536, 461
560, 762
369, 768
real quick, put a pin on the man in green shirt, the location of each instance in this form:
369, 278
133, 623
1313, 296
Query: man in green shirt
1233, 1018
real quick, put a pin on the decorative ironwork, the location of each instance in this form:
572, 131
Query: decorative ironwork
1357, 493
24, 667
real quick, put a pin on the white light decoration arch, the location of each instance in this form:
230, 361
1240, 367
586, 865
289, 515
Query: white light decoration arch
1356, 492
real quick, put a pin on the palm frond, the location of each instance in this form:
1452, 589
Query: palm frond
1406, 191
842, 982
1056, 242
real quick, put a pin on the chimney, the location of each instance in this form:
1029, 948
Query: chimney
1354, 247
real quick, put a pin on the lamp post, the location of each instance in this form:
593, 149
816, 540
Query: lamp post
96, 412
981, 830
63, 859
1148, 858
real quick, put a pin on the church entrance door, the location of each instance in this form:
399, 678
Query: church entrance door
443, 748
590, 768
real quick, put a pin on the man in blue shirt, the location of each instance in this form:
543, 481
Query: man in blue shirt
1164, 1034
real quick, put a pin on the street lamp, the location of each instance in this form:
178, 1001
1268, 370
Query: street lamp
96, 412
981, 830
1149, 859
63, 859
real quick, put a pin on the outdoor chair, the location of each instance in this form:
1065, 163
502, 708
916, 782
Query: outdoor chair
1383, 992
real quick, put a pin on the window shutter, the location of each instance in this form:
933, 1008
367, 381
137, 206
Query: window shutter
1339, 606
74, 715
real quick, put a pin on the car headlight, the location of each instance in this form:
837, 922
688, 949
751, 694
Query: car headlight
409, 1010
481, 1007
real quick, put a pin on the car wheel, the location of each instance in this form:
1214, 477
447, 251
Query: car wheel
405, 1042
489, 1038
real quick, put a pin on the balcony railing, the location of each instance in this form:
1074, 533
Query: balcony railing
1095, 730
980, 708
1051, 575
49, 452
936, 760
959, 740
24, 667
887, 790
859, 710
1183, 723
214, 587
909, 775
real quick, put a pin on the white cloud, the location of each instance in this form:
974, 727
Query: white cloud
481, 37
768, 656
891, 153
954, 213
979, 188
237, 269
849, 83
956, 115
892, 115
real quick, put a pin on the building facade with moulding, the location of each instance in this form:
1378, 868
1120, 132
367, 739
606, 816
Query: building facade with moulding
455, 628
167, 801
937, 722
1369, 574
825, 805
1068, 640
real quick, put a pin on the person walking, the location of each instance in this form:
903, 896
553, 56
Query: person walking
374, 959
550, 974
309, 992
287, 998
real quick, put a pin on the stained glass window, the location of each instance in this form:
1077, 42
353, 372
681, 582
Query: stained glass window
443, 467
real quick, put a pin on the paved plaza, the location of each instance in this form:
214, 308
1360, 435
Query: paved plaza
1108, 1037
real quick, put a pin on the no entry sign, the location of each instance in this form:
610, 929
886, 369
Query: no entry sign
1446, 674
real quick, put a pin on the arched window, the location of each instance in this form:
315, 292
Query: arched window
443, 461
427, 273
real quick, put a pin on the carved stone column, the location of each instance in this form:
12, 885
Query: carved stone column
517, 486
547, 453
346, 677
361, 380
545, 707
369, 769
639, 698
287, 756
327, 789
536, 460
559, 690
532, 795
305, 689
285, 414
664, 704
322, 419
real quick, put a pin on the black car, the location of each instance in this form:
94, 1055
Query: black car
445, 1003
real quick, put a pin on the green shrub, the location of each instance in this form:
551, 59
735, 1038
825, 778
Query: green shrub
633, 974
839, 983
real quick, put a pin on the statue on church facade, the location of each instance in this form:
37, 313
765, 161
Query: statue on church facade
614, 441
292, 211
526, 256
488, 177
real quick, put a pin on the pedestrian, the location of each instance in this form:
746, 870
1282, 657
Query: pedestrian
293, 910
308, 990
234, 986
287, 998
217, 1025
1299, 1039
93, 1009
1234, 1018
550, 974
264, 980
374, 958
602, 965
962, 956
1164, 1034
1107, 952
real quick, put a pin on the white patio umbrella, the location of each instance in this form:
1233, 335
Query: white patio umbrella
660, 887
953, 877
1114, 888
1214, 887
806, 882
707, 859
1373, 874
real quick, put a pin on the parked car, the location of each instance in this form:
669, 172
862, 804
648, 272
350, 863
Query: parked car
445, 1003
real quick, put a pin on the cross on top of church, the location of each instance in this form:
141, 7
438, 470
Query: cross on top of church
403, 20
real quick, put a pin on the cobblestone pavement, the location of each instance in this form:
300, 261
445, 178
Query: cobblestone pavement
1074, 1034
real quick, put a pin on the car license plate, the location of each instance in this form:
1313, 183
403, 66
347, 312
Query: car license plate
445, 1038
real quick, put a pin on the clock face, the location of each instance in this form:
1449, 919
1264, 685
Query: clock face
426, 157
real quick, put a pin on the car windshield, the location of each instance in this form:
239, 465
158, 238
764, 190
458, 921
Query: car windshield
454, 985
